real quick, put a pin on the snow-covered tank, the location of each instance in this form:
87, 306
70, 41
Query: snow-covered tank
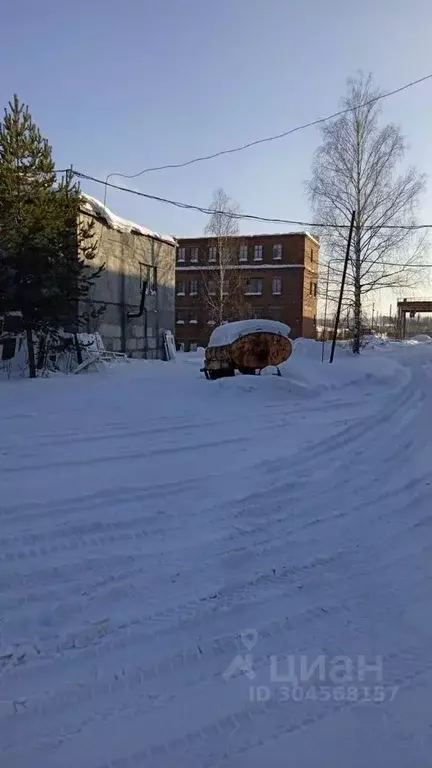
248, 346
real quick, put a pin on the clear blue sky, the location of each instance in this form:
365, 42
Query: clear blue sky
121, 86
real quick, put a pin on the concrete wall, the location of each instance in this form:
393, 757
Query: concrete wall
126, 256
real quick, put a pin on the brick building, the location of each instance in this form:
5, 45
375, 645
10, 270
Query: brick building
279, 274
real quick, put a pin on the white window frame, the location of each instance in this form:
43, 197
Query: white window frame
194, 320
278, 281
181, 255
178, 292
212, 254
258, 253
193, 292
211, 292
277, 251
243, 252
254, 293
194, 254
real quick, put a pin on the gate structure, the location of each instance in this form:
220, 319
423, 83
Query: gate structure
411, 307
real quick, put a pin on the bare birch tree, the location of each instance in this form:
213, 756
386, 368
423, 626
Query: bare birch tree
356, 168
223, 283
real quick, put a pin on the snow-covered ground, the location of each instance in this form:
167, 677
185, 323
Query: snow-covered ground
167, 542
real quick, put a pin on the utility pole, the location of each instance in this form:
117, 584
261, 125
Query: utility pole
348, 248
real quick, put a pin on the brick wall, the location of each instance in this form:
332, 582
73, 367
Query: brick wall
296, 269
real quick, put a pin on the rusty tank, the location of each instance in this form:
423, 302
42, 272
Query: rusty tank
248, 346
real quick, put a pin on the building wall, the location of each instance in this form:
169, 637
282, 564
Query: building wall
126, 256
297, 269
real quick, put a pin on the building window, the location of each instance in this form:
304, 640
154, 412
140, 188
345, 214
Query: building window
181, 255
148, 275
277, 286
254, 287
194, 255
243, 255
193, 287
211, 288
277, 252
258, 252
152, 283
315, 290
311, 288
211, 322
212, 253
193, 346
193, 320
180, 288
312, 254
179, 319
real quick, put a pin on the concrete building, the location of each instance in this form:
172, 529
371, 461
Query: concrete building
131, 255
279, 281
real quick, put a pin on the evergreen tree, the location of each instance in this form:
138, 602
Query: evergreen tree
44, 247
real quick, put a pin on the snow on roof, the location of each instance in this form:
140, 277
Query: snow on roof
92, 205
230, 332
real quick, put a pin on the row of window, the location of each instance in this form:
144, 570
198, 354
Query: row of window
191, 318
253, 287
243, 253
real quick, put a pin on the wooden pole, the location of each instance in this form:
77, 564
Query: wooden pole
325, 312
342, 287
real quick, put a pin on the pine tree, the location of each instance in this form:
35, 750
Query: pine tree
44, 249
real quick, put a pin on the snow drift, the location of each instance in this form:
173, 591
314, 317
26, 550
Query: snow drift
230, 332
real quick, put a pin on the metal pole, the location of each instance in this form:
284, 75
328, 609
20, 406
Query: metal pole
325, 312
342, 287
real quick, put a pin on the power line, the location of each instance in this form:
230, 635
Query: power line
275, 137
384, 264
233, 215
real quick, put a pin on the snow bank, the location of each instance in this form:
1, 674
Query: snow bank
422, 338
375, 341
304, 376
230, 332
305, 371
94, 206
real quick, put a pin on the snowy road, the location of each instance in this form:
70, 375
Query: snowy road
154, 526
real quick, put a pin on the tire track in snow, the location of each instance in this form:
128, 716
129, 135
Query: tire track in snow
138, 454
131, 678
172, 749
